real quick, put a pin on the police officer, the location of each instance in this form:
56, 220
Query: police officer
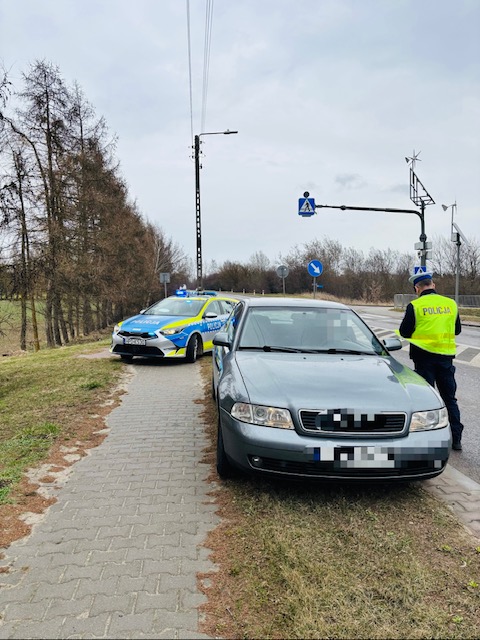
430, 324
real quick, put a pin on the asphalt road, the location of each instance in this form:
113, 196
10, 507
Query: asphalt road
468, 381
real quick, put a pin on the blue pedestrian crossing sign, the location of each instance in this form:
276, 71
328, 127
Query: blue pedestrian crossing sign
306, 207
418, 271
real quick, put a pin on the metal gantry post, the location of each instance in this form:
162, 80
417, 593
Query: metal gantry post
418, 195
423, 236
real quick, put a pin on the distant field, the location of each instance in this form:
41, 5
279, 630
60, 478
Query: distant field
10, 321
10, 317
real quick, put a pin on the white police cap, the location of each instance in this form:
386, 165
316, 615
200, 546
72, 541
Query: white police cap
419, 276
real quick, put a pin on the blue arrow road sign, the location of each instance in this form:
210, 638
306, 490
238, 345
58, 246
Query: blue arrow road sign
315, 268
306, 206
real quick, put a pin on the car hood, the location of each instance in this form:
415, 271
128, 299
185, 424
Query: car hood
142, 322
304, 381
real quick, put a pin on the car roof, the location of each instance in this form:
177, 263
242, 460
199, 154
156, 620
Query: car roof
204, 297
293, 302
194, 293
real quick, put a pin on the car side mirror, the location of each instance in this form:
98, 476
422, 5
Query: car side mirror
221, 339
392, 344
210, 314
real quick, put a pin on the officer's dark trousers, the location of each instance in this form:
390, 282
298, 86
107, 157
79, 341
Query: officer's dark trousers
442, 374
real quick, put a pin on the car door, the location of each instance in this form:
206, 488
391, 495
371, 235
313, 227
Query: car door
219, 353
213, 320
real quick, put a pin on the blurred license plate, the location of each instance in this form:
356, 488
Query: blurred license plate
139, 341
355, 457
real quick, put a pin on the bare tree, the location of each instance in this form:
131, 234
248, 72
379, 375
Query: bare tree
14, 196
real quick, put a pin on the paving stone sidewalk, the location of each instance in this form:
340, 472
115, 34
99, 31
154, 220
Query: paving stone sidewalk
117, 555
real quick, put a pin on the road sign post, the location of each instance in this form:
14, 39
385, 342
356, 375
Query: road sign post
165, 279
282, 272
315, 269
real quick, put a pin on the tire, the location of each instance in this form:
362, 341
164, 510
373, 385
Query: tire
126, 358
193, 349
224, 467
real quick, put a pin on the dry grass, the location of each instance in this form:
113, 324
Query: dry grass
311, 560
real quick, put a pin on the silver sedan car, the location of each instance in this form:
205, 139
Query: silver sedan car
305, 389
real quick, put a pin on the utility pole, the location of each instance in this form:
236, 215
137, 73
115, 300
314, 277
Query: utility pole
198, 219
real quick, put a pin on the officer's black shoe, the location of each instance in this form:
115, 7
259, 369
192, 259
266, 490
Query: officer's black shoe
457, 445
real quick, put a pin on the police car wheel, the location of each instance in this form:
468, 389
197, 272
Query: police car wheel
193, 349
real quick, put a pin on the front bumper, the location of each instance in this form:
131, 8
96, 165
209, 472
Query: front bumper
153, 348
417, 456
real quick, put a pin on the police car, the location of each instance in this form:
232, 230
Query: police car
180, 326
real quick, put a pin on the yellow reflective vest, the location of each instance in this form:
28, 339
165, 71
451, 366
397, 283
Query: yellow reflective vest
435, 318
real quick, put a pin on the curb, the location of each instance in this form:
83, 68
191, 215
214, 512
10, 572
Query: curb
462, 495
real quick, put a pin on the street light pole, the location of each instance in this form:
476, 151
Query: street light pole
457, 274
455, 237
198, 219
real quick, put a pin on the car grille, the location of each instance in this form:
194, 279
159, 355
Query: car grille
343, 421
135, 334
137, 350
331, 469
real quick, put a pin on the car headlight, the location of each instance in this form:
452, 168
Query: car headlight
172, 332
427, 420
262, 416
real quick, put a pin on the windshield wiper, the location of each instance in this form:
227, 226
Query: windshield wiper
268, 348
354, 352
285, 349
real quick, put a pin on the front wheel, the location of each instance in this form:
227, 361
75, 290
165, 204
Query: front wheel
193, 349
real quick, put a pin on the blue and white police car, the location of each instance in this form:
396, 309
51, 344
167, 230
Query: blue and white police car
180, 326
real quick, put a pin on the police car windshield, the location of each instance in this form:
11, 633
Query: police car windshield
176, 307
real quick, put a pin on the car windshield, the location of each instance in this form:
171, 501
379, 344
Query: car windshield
176, 307
307, 330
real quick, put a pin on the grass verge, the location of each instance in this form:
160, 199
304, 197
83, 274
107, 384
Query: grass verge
46, 398
308, 560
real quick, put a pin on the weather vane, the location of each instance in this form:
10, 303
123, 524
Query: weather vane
413, 159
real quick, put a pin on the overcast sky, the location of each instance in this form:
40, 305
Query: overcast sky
328, 96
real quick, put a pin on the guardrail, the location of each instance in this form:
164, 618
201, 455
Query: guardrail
400, 300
